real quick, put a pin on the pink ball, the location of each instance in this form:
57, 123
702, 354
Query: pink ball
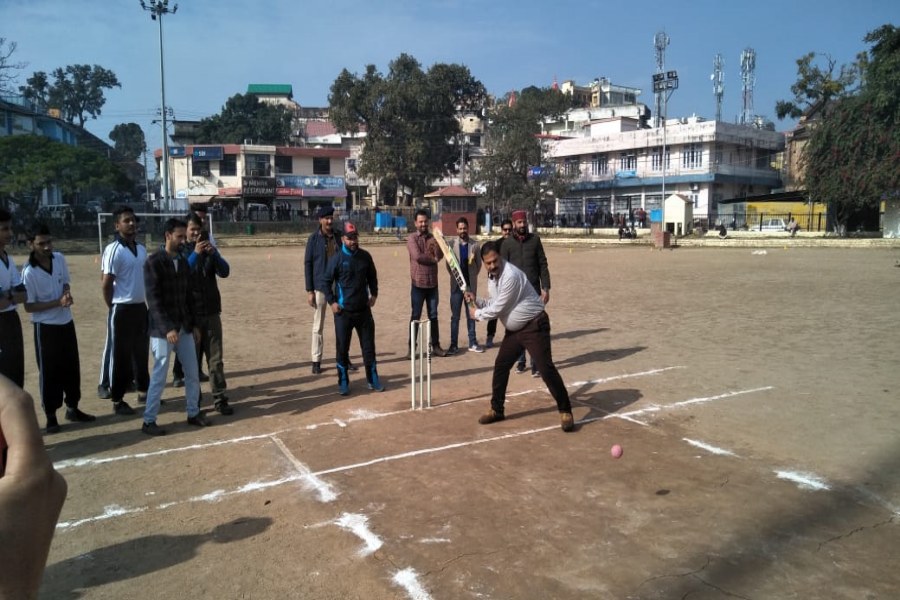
616, 451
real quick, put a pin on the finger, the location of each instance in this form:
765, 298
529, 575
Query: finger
19, 430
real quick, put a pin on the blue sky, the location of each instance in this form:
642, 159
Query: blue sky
214, 48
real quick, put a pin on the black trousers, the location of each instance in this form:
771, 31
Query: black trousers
12, 349
130, 349
56, 350
107, 354
492, 328
364, 324
534, 337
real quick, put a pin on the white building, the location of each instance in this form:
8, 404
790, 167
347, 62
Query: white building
618, 166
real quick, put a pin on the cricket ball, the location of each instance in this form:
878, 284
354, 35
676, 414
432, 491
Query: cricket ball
616, 451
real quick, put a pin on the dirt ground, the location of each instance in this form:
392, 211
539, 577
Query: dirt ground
754, 394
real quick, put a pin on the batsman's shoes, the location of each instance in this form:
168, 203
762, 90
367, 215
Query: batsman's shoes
52, 425
76, 416
152, 429
567, 421
476, 348
492, 416
103, 392
122, 408
199, 420
316, 368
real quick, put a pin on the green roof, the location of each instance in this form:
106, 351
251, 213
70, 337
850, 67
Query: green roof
271, 89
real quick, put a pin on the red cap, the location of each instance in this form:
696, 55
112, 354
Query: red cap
519, 215
350, 229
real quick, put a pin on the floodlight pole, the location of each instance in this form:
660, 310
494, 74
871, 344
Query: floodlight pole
666, 83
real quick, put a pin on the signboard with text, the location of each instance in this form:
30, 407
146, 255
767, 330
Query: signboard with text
258, 187
207, 153
321, 186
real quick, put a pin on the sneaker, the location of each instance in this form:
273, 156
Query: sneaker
567, 421
373, 380
344, 387
142, 398
489, 343
103, 392
203, 377
178, 382
535, 374
152, 429
199, 420
476, 348
316, 368
52, 425
122, 408
453, 349
222, 405
520, 369
76, 416
492, 416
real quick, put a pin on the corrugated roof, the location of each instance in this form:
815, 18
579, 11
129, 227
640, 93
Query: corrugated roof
319, 128
269, 89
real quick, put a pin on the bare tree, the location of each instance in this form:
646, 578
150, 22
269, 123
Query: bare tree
8, 68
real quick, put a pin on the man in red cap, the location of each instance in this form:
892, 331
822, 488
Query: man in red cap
351, 289
525, 251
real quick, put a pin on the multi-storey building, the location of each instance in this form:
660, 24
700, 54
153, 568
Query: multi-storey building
617, 166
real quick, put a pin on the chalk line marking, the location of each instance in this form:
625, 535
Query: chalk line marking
109, 512
358, 415
325, 491
408, 579
358, 525
434, 541
864, 491
709, 448
805, 481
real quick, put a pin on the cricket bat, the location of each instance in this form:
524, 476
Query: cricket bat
450, 257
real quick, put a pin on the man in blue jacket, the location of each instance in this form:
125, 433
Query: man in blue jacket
351, 289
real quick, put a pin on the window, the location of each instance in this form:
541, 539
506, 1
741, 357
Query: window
656, 159
284, 165
599, 164
696, 199
762, 160
257, 165
572, 166
692, 156
627, 161
321, 165
199, 168
228, 165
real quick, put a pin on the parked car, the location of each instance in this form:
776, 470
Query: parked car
772, 225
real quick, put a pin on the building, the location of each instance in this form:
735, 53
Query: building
616, 166
266, 178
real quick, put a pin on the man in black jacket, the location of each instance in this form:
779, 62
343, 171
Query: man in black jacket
172, 326
525, 251
351, 290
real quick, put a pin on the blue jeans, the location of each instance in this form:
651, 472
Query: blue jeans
419, 296
187, 354
456, 304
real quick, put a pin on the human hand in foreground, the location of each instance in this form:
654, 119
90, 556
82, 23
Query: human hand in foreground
31, 495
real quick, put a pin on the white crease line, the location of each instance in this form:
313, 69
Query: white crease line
408, 579
806, 481
876, 498
358, 415
358, 525
326, 493
434, 541
108, 513
709, 448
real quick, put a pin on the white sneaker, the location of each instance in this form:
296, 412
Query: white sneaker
476, 348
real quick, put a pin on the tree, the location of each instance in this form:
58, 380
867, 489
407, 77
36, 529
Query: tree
244, 117
512, 147
851, 159
129, 140
410, 120
819, 86
77, 91
8, 68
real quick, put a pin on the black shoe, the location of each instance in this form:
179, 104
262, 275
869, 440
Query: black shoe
76, 416
203, 377
178, 382
152, 429
520, 369
453, 349
142, 398
103, 392
222, 405
352, 367
122, 408
316, 368
199, 420
436, 350
52, 425
492, 416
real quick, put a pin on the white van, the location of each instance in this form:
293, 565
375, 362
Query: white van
56, 212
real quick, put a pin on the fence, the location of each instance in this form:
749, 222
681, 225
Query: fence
764, 221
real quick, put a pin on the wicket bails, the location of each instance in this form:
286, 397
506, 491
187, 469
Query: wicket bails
420, 349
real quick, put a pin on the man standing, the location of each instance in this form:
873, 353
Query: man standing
424, 256
468, 255
505, 231
46, 278
320, 247
172, 326
12, 350
514, 301
123, 291
207, 265
351, 289
525, 251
